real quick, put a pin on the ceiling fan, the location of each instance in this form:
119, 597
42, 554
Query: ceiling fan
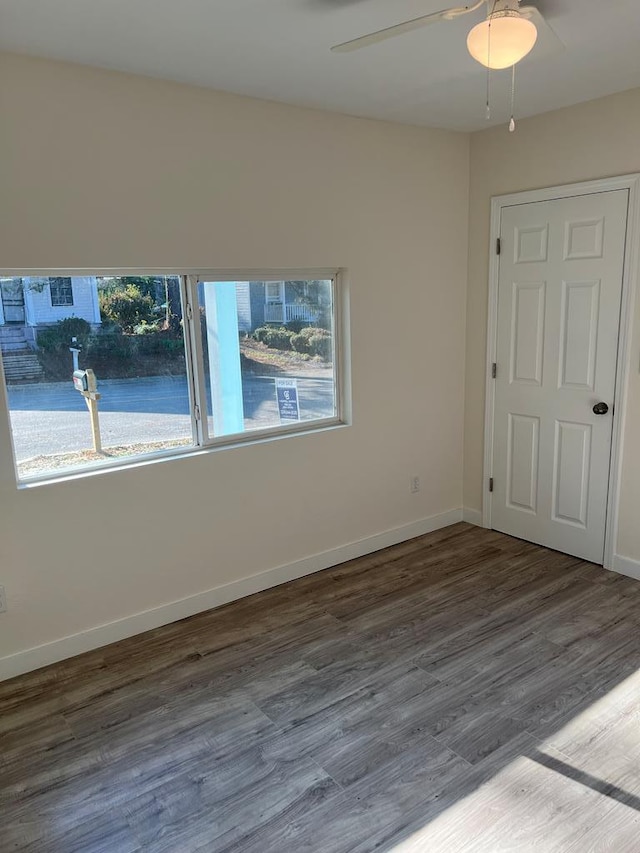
506, 36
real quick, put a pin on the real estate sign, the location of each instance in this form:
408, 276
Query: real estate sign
287, 395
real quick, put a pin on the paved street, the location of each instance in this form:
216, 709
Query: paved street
52, 417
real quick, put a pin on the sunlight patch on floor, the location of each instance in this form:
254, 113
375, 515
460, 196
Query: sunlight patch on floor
576, 784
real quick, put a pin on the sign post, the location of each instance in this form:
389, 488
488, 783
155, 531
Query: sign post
86, 383
287, 396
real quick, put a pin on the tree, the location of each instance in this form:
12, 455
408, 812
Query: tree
162, 290
316, 295
128, 307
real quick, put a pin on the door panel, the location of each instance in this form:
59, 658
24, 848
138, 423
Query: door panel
572, 453
583, 239
527, 332
559, 292
531, 244
579, 334
522, 463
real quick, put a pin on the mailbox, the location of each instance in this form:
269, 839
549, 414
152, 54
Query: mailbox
80, 380
85, 380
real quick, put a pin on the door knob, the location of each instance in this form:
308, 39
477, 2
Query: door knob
600, 409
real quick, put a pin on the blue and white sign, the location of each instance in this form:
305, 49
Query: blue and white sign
287, 394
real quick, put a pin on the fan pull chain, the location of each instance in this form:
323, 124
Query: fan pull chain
488, 112
512, 121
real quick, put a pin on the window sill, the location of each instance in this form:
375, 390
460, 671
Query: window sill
225, 443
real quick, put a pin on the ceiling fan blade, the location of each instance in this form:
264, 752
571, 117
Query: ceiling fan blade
535, 15
405, 27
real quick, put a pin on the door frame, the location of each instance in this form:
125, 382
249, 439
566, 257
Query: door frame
630, 284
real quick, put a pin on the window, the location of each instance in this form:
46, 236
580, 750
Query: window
178, 362
281, 373
61, 291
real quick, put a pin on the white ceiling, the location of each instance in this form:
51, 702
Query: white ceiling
279, 49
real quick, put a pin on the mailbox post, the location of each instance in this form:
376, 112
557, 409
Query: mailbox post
75, 350
86, 383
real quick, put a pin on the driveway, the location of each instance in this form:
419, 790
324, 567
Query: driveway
52, 417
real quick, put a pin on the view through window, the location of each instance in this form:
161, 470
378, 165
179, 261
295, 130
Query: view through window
282, 371
101, 369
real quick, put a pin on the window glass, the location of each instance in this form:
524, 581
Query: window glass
102, 369
61, 291
268, 352
128, 331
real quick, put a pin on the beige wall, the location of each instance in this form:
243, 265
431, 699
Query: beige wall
593, 140
100, 169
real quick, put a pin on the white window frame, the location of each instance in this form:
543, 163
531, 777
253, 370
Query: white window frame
194, 357
196, 367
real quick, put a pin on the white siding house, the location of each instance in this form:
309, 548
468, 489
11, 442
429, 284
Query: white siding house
275, 302
243, 301
31, 303
61, 298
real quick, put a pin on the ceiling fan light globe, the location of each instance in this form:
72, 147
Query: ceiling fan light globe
512, 38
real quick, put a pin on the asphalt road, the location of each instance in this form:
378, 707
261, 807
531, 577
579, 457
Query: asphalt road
52, 417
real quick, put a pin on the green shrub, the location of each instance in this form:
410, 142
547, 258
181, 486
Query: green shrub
58, 337
102, 348
279, 338
311, 331
49, 340
321, 346
296, 326
145, 328
127, 307
300, 343
260, 334
162, 343
108, 327
275, 337
314, 341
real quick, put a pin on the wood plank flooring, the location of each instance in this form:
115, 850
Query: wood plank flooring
463, 691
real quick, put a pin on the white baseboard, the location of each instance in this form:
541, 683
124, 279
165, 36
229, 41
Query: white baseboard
112, 632
626, 566
472, 516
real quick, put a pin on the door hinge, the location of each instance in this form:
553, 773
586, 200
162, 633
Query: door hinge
196, 412
490, 484
498, 246
494, 370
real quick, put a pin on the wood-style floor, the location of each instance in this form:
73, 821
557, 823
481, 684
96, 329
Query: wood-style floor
464, 691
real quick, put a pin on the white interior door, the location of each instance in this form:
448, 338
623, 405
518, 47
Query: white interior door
559, 292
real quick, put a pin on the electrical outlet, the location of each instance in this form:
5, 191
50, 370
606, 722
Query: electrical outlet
3, 600
415, 484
